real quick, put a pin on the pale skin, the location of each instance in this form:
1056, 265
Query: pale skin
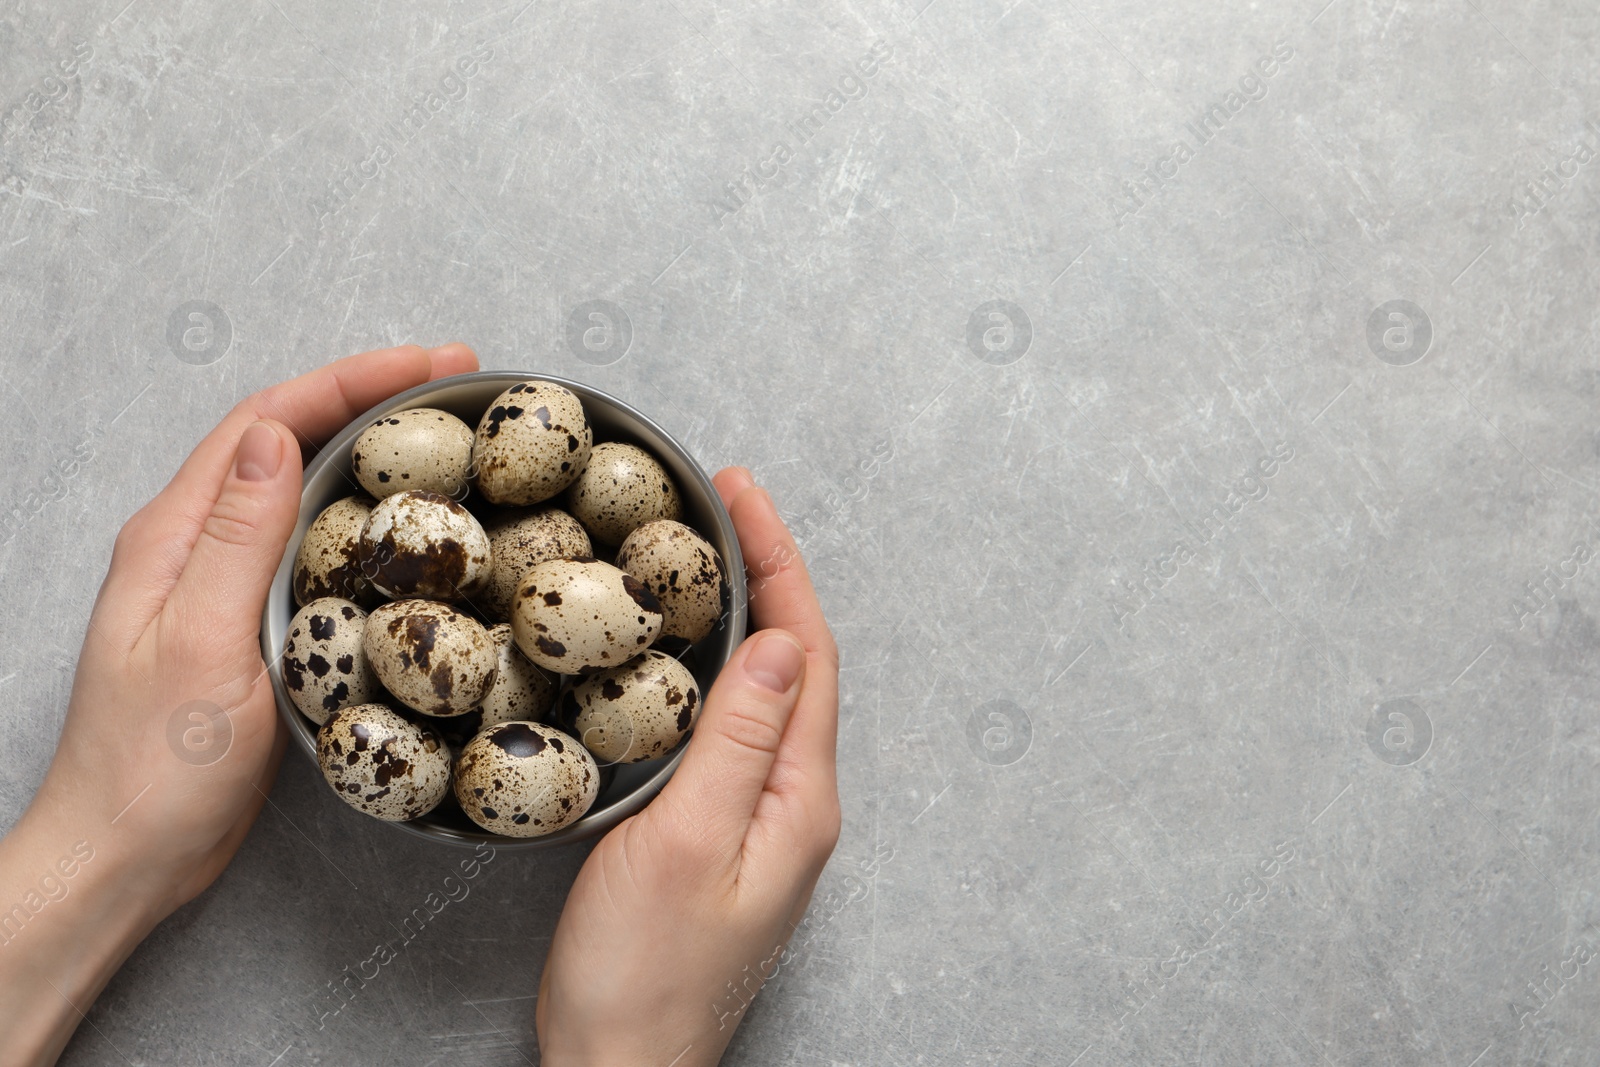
699, 890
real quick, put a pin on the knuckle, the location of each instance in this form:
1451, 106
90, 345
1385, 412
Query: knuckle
146, 546
752, 728
828, 647
824, 835
232, 524
257, 405
132, 536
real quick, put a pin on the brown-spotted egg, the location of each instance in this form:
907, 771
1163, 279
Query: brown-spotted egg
620, 489
431, 657
324, 665
418, 543
522, 692
524, 779
637, 711
574, 616
531, 443
381, 764
328, 561
683, 570
520, 539
420, 448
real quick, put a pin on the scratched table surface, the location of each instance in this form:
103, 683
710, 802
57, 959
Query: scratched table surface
1188, 411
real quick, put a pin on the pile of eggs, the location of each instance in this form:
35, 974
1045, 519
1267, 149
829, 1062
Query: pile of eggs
459, 639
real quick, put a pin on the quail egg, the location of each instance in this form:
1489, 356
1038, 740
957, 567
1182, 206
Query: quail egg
421, 448
622, 488
328, 562
324, 666
418, 543
683, 570
523, 779
521, 692
574, 616
431, 657
637, 711
531, 443
381, 764
519, 540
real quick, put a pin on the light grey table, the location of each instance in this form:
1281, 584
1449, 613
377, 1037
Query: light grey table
1220, 670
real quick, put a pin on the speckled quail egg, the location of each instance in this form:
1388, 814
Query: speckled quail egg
523, 779
683, 570
328, 562
418, 543
420, 448
381, 764
575, 616
637, 711
531, 443
520, 539
431, 657
522, 692
324, 665
622, 488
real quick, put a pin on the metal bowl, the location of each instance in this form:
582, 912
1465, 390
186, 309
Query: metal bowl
467, 396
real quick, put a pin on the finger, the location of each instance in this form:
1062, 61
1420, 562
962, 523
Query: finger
223, 587
730, 481
781, 595
317, 405
453, 358
156, 541
324, 401
737, 739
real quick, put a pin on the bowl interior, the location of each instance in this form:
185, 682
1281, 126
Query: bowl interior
626, 789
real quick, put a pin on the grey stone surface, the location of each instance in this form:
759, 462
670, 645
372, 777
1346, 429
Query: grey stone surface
1121, 774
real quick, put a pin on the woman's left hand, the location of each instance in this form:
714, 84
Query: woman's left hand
171, 738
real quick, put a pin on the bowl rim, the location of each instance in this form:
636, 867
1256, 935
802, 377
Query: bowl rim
281, 597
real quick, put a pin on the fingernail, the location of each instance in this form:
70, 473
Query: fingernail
260, 454
775, 662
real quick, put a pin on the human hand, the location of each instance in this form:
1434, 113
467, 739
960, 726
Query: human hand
702, 889
174, 633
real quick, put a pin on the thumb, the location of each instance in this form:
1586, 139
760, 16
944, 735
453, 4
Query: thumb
738, 736
223, 588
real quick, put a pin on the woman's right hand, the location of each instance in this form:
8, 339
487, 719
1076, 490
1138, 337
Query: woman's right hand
682, 911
